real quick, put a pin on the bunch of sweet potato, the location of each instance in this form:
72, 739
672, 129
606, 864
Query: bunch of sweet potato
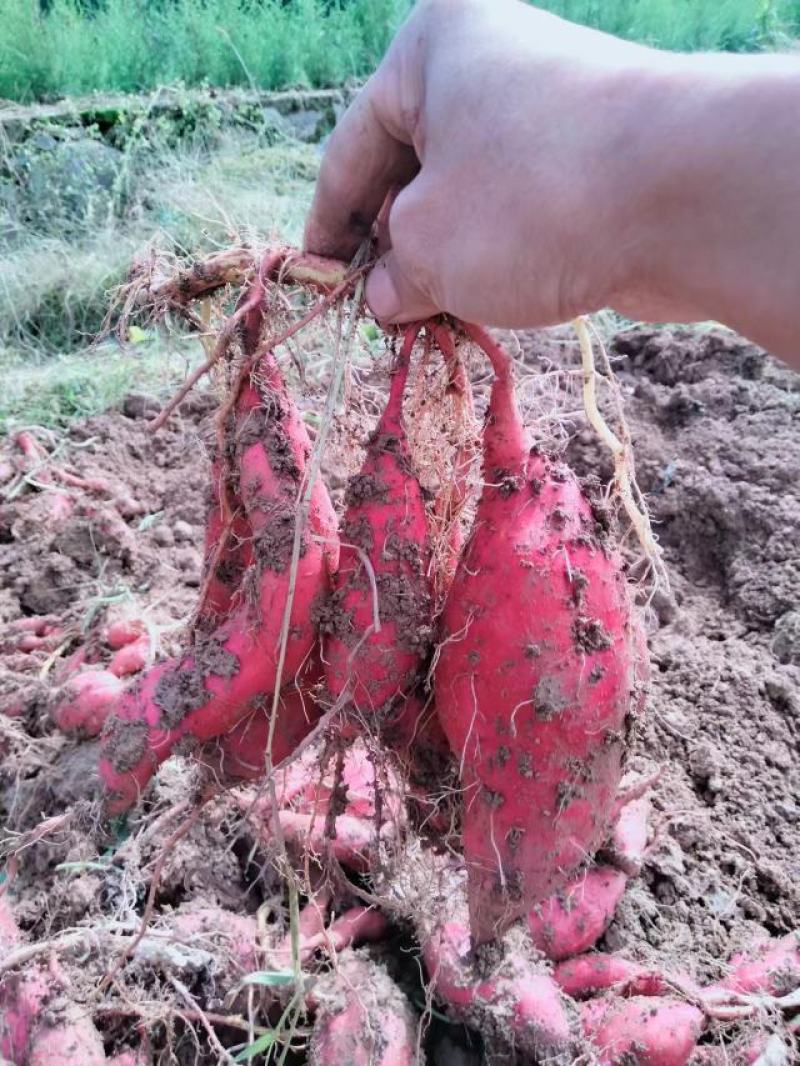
530, 679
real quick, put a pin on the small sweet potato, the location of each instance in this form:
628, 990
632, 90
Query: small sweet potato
650, 1031
574, 919
85, 702
363, 1019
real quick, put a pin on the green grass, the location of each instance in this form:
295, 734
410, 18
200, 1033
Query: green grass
55, 288
128, 45
55, 282
55, 391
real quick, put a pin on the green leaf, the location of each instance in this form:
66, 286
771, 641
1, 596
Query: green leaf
149, 520
264, 1043
137, 335
74, 867
272, 978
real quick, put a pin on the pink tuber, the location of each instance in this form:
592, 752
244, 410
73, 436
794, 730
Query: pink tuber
537, 678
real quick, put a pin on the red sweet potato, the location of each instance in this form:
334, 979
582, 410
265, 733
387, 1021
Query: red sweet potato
209, 690
770, 968
123, 631
586, 975
352, 845
537, 677
628, 843
649, 1031
234, 937
358, 925
574, 919
228, 548
85, 702
524, 1005
241, 753
132, 658
377, 621
28, 1033
363, 1019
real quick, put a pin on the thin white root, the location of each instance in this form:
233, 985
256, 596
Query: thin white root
621, 451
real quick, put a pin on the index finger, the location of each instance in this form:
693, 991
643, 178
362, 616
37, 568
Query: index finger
363, 161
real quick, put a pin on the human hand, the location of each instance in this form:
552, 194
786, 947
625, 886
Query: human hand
484, 115
546, 170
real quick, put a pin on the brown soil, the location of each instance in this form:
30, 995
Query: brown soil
715, 428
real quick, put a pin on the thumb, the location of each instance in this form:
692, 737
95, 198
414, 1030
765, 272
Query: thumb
392, 295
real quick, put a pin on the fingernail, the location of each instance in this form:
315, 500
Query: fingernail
382, 296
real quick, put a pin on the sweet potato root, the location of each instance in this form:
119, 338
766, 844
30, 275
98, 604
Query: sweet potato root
131, 658
241, 753
537, 677
38, 1025
652, 1031
628, 842
228, 548
574, 919
518, 1000
209, 690
123, 631
363, 1019
85, 702
377, 622
770, 968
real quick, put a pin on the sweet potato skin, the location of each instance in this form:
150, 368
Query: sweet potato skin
648, 1031
537, 677
586, 975
209, 690
241, 753
28, 1034
524, 1004
85, 702
574, 919
362, 1018
769, 968
378, 629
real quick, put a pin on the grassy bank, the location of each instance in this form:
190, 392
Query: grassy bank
82, 45
55, 289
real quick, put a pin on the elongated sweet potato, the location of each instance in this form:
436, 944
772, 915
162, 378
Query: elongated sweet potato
217, 684
771, 967
241, 753
537, 677
228, 548
586, 975
377, 622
